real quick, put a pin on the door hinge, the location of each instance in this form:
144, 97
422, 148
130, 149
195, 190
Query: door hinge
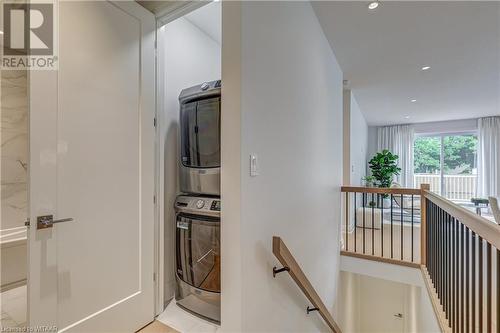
154, 199
154, 122
154, 276
27, 222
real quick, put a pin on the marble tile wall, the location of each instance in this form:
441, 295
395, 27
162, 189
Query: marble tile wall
14, 148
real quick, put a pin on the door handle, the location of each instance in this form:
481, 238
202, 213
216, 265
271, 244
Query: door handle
398, 315
46, 221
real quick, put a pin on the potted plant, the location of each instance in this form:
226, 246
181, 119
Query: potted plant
384, 166
369, 181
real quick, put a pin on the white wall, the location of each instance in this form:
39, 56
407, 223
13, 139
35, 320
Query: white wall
358, 143
281, 100
372, 144
188, 57
427, 320
369, 305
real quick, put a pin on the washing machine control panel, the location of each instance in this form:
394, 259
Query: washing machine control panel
197, 204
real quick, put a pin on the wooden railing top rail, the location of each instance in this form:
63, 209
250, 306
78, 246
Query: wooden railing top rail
286, 258
391, 190
486, 229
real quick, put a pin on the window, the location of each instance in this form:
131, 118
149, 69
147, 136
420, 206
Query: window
448, 164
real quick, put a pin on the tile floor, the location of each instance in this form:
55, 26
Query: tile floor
13, 307
184, 322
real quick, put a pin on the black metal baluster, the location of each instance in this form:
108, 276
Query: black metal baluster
439, 264
430, 240
488, 288
450, 276
462, 278
364, 218
373, 225
347, 221
443, 259
453, 286
402, 199
355, 224
430, 250
438, 261
427, 233
412, 229
447, 265
457, 277
498, 291
392, 250
432, 253
467, 281
480, 291
473, 289
382, 227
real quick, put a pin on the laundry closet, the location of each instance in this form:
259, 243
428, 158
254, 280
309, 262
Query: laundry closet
188, 179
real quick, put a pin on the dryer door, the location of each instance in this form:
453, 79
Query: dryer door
200, 133
198, 251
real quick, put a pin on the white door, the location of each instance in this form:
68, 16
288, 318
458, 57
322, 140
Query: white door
91, 159
382, 305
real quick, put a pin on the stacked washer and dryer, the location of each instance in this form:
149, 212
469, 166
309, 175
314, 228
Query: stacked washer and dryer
197, 209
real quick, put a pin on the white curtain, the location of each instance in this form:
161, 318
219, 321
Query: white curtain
488, 157
399, 140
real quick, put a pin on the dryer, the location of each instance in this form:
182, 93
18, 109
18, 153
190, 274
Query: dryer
200, 138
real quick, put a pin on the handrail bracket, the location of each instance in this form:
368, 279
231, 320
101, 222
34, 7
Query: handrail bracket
277, 271
309, 309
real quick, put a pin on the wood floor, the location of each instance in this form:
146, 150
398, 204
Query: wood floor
157, 327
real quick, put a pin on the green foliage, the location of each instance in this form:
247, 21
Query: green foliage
427, 154
459, 154
384, 166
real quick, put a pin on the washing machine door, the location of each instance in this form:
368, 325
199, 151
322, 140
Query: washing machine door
198, 251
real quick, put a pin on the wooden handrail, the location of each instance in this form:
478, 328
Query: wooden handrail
381, 190
484, 228
286, 258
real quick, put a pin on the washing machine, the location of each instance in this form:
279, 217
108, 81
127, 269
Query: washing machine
197, 261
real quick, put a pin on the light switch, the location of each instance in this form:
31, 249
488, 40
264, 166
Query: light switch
254, 166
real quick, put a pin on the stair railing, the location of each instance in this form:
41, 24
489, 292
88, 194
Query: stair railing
291, 266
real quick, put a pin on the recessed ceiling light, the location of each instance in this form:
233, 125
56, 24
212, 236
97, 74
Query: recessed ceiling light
407, 117
374, 4
426, 68
413, 100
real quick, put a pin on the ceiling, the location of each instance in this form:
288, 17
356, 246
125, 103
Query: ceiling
157, 7
381, 53
208, 19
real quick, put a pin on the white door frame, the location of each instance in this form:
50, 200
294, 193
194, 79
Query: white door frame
162, 18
